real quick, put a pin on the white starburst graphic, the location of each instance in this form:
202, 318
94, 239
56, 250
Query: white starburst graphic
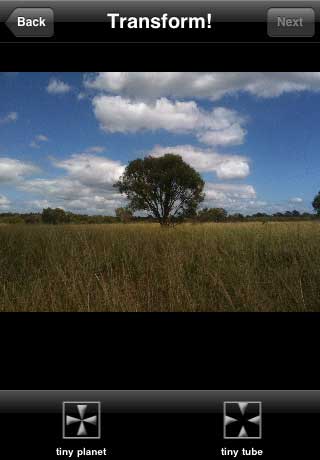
83, 420
244, 421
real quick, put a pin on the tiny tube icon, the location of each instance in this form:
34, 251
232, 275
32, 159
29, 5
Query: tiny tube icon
242, 420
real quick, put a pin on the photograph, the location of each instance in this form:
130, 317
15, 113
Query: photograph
159, 191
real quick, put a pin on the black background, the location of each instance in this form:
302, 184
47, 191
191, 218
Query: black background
159, 436
231, 350
232, 57
161, 351
229, 32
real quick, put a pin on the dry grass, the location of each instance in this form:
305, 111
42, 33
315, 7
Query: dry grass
142, 267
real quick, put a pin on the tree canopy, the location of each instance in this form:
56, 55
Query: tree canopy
316, 203
166, 187
55, 216
212, 215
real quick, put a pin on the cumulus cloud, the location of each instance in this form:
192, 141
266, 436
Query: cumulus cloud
56, 86
220, 126
81, 96
240, 198
92, 170
97, 203
39, 204
60, 187
10, 117
42, 138
231, 191
233, 197
230, 135
86, 187
296, 199
35, 143
12, 170
207, 85
205, 160
4, 202
71, 194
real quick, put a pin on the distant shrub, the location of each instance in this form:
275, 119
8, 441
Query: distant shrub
55, 216
212, 215
31, 218
124, 214
11, 219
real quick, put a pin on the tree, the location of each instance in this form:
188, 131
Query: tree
260, 214
213, 214
32, 218
10, 218
124, 214
236, 217
316, 204
55, 216
166, 187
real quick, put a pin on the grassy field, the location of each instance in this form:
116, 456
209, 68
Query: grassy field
142, 267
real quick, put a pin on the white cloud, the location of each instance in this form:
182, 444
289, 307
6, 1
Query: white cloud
11, 117
39, 204
234, 168
37, 140
4, 202
12, 170
86, 187
231, 135
205, 160
81, 96
97, 204
56, 86
207, 85
296, 199
62, 188
117, 114
70, 194
233, 197
41, 138
91, 170
240, 198
221, 126
230, 191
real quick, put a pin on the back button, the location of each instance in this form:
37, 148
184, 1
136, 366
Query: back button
31, 22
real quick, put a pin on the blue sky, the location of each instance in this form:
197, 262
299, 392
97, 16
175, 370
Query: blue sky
65, 138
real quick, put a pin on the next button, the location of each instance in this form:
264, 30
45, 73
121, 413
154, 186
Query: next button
291, 22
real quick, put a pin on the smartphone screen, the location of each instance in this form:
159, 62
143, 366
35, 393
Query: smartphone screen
159, 180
